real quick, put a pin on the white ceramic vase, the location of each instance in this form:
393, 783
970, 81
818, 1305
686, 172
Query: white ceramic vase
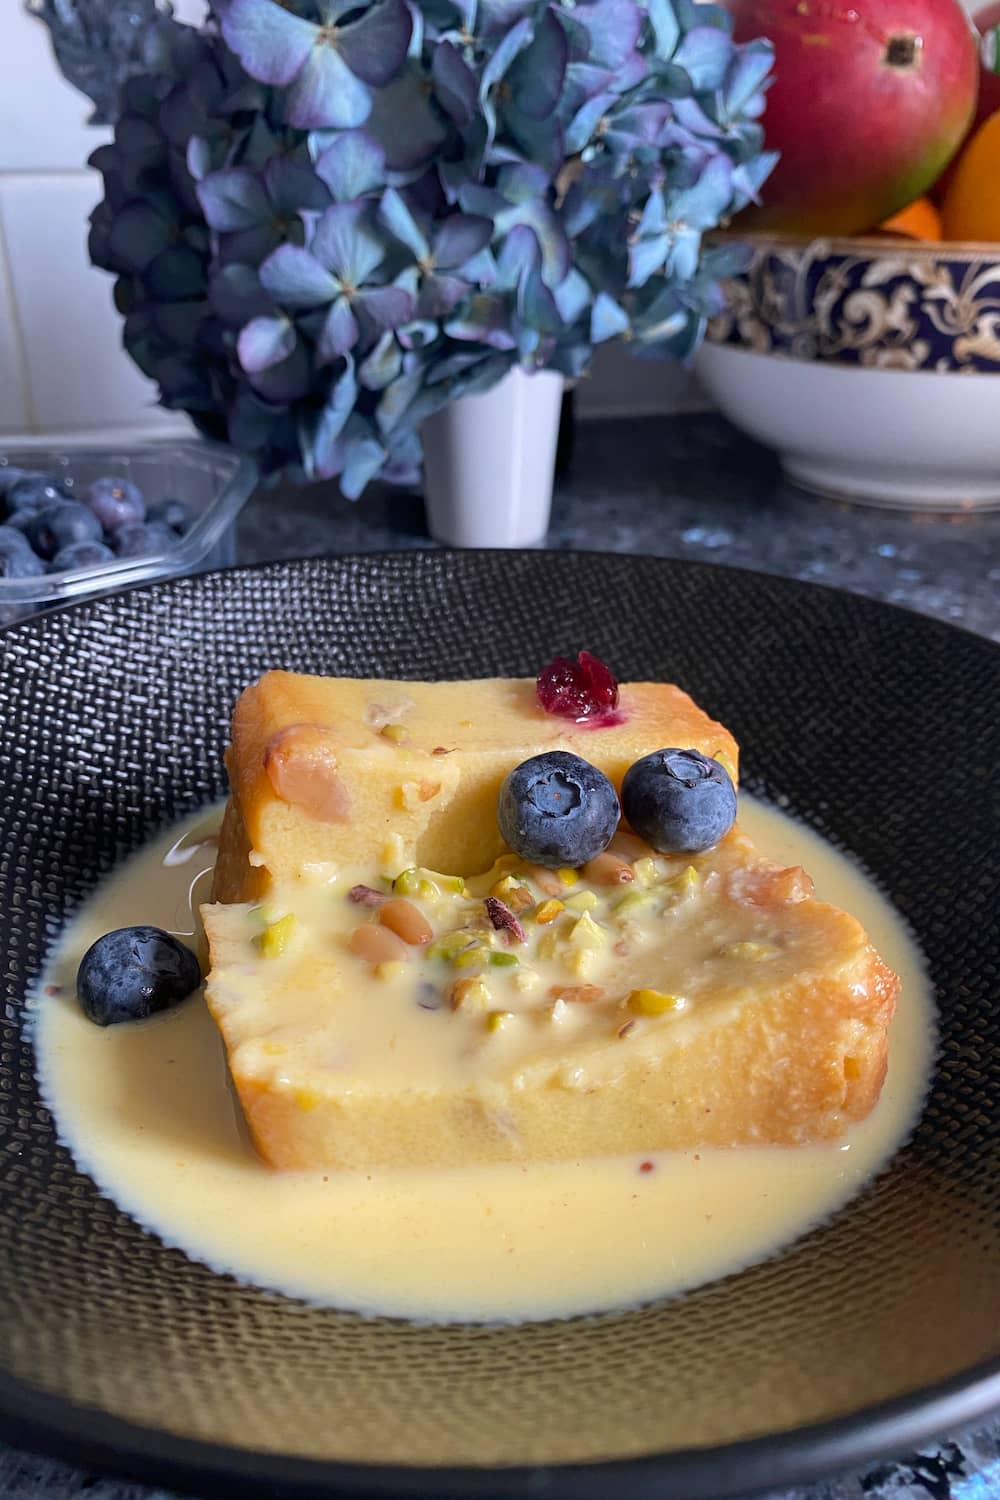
489, 463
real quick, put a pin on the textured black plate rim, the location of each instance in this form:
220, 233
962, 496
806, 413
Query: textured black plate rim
94, 1439
31, 1418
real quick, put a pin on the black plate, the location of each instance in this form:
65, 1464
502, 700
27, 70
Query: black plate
872, 1333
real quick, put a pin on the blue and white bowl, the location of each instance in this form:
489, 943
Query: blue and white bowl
872, 365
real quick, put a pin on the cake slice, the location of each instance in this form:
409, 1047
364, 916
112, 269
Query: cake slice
643, 1002
324, 771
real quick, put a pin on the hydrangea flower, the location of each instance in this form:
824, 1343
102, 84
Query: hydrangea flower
329, 218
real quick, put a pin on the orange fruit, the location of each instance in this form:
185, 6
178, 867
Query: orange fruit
919, 220
971, 207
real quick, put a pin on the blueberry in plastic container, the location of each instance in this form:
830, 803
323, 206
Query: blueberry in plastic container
81, 555
116, 502
143, 539
60, 525
35, 492
173, 513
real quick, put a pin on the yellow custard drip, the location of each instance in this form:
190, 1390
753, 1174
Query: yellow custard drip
148, 1112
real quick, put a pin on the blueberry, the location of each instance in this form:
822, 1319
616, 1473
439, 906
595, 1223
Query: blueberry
57, 526
13, 536
116, 502
679, 801
81, 555
556, 809
17, 559
36, 492
133, 972
143, 538
9, 476
173, 513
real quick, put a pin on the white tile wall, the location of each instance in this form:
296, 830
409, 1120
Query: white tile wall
62, 369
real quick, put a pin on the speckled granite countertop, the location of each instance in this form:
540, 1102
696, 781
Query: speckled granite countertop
682, 486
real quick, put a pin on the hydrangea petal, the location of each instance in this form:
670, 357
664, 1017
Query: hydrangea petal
296, 279
271, 42
333, 418
537, 73
382, 365
374, 47
386, 306
396, 216
326, 93
347, 243
746, 75
233, 199
665, 26
573, 296
353, 165
265, 342
612, 28
175, 275
288, 381
458, 238
646, 257
440, 295
454, 83
236, 295
404, 123
608, 320
580, 131
705, 54
137, 235
340, 332
293, 187
516, 39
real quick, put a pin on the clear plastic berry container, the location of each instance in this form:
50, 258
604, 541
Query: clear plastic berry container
212, 482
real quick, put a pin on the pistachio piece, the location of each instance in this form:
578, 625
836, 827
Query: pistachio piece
273, 941
504, 920
548, 911
654, 1002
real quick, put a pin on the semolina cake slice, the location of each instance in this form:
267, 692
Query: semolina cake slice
324, 771
704, 1000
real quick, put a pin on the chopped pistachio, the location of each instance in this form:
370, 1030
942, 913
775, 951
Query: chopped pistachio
653, 1002
586, 933
502, 960
450, 944
407, 882
496, 1020
582, 901
469, 994
479, 953
580, 961
547, 911
632, 901
397, 733
684, 884
273, 941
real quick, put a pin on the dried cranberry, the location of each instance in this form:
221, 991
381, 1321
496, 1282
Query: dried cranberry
577, 689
